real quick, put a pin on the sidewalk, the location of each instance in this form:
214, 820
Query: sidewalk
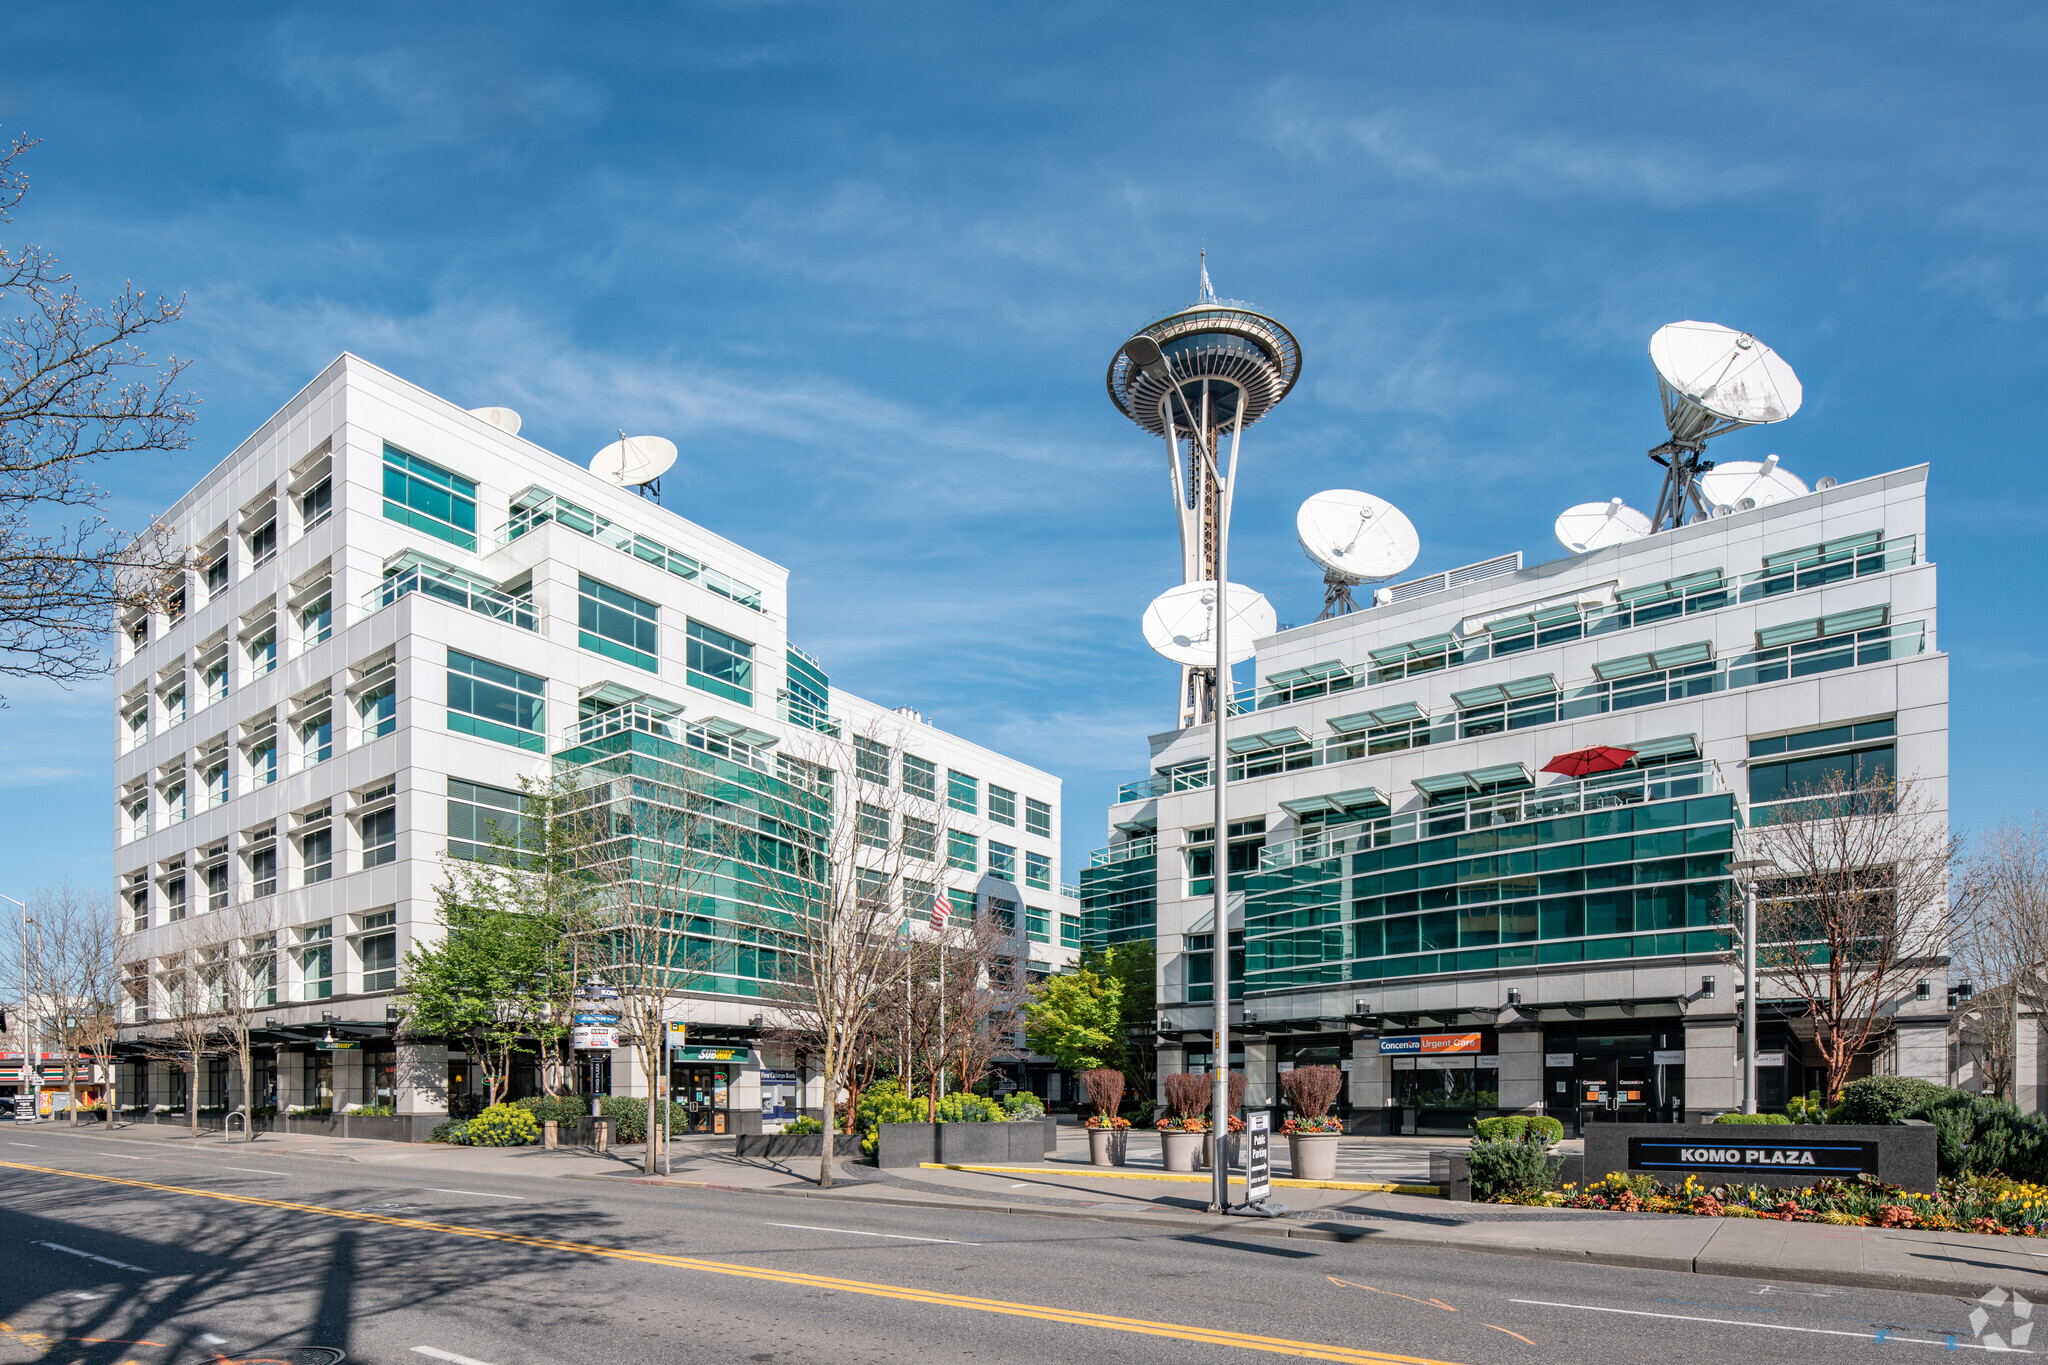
1962, 1264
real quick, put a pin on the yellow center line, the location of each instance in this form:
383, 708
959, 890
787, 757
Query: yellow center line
1212, 1336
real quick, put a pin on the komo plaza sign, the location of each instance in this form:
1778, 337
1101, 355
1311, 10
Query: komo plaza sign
1755, 1154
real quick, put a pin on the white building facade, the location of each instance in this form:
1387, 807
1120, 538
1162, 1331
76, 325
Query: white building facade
1465, 933
396, 609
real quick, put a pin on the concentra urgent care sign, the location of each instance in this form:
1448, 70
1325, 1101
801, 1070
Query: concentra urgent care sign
1716, 1157
1429, 1044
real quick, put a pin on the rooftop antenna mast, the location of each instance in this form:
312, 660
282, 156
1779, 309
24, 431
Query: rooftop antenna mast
1713, 380
1196, 377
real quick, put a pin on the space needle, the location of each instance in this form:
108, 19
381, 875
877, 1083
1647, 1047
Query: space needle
1215, 366
1193, 377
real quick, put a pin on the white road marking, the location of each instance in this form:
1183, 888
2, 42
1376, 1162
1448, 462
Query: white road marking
211, 1340
74, 1251
481, 1194
1950, 1343
24, 1144
449, 1356
1020, 1185
893, 1236
254, 1170
88, 1297
123, 1156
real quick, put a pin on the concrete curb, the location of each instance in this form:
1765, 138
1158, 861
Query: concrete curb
1097, 1173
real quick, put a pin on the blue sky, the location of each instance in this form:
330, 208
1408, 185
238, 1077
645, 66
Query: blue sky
867, 264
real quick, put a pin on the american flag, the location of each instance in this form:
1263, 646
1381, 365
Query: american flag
942, 906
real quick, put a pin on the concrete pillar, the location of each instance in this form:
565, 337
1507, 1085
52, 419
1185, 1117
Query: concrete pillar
1713, 1075
422, 1078
1521, 1071
1367, 1081
1261, 1074
1920, 1044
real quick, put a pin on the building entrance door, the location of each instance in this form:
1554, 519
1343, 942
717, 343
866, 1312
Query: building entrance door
705, 1094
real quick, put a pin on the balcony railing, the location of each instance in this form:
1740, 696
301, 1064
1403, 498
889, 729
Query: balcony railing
617, 721
537, 507
1699, 777
1797, 660
457, 589
1125, 851
796, 711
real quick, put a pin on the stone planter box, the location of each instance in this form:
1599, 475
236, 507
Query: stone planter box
906, 1144
1180, 1151
1757, 1154
779, 1147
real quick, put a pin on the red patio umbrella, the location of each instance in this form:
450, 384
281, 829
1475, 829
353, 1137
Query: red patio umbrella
1601, 758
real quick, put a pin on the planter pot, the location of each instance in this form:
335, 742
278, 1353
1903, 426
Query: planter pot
907, 1144
1106, 1145
1181, 1150
1231, 1150
974, 1144
781, 1147
1312, 1156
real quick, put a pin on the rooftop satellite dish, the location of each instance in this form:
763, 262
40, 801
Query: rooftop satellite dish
1356, 538
1824, 483
1179, 625
1596, 525
1713, 380
635, 461
1733, 481
504, 419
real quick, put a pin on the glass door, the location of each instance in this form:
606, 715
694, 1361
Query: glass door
704, 1092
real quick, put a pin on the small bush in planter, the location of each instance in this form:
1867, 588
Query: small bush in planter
1517, 1126
503, 1125
451, 1130
802, 1126
1105, 1085
1312, 1090
1883, 1099
969, 1108
1023, 1106
1513, 1168
1766, 1119
1188, 1097
561, 1108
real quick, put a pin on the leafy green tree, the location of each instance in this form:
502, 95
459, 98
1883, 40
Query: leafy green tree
1077, 1019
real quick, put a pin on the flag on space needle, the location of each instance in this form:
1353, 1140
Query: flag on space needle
942, 906
1208, 289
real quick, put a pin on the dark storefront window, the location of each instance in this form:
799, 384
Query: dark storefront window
1628, 1072
380, 1078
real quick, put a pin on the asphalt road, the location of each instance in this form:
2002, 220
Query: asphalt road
119, 1251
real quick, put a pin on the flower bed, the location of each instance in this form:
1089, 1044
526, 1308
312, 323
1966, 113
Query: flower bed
1986, 1204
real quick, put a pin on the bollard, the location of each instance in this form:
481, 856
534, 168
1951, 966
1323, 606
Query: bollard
550, 1134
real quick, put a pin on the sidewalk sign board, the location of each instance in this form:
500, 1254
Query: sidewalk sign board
1258, 1157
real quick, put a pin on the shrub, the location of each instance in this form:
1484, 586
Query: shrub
1883, 1099
802, 1126
1189, 1095
564, 1109
1516, 1126
1105, 1086
1806, 1108
465, 1106
1312, 1089
1023, 1105
1752, 1118
503, 1125
451, 1130
1510, 1167
969, 1108
373, 1111
1979, 1136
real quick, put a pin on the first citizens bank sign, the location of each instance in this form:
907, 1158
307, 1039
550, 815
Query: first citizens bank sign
1816, 1159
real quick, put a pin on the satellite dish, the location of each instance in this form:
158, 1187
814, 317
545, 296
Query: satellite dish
632, 461
1179, 623
1355, 536
1596, 525
1735, 481
1713, 380
1723, 374
1824, 483
504, 419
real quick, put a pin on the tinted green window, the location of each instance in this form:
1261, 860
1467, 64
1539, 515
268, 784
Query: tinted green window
480, 817
1857, 769
720, 664
962, 851
491, 701
1037, 817
428, 498
963, 792
618, 625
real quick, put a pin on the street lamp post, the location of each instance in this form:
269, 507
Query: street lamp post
1746, 870
28, 1067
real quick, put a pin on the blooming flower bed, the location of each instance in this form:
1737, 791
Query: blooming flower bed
1988, 1204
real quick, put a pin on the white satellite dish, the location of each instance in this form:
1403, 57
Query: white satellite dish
1355, 538
504, 419
1596, 525
1713, 380
1179, 625
1735, 480
633, 461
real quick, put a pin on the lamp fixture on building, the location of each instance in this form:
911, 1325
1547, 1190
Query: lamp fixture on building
1514, 997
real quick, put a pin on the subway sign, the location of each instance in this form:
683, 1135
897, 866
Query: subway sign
1713, 1157
1428, 1044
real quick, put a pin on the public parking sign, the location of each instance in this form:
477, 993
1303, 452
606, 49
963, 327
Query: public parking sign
1258, 1155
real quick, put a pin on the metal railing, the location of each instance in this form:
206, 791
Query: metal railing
1699, 777
632, 716
1124, 852
795, 711
605, 531
1802, 659
456, 589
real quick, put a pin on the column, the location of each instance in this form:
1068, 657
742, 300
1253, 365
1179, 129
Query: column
1521, 1071
1713, 1073
422, 1078
1261, 1085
